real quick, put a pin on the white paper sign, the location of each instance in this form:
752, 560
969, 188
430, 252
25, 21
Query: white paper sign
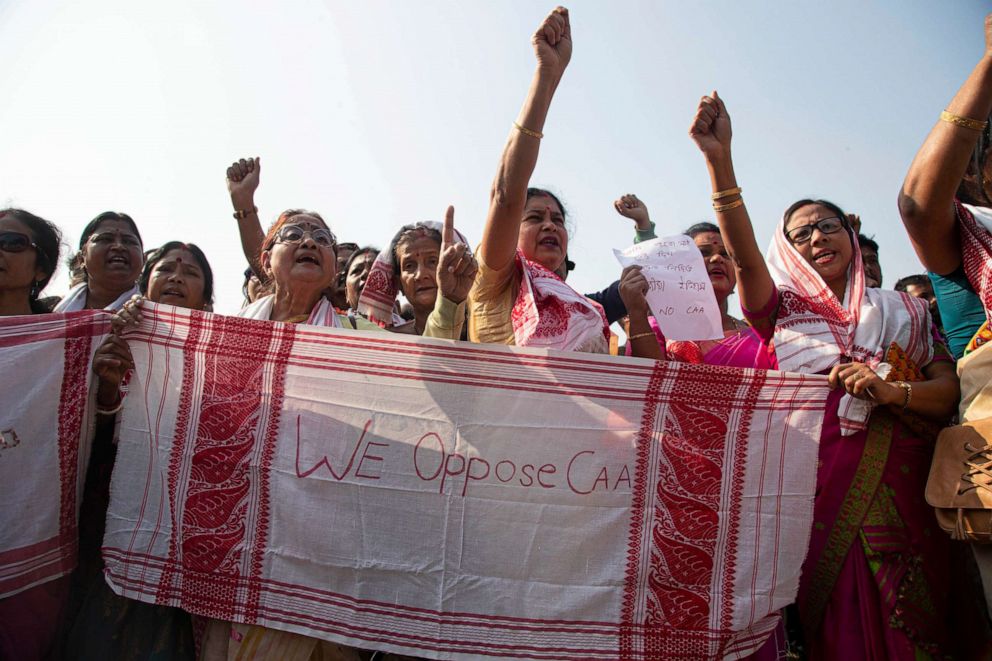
680, 293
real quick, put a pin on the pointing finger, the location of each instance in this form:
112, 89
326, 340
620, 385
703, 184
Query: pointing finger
448, 235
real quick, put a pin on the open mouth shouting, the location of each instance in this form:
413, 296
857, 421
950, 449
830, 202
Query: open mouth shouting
825, 257
308, 258
550, 241
717, 272
118, 260
173, 292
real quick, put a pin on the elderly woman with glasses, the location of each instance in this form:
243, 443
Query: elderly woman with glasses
874, 584
298, 258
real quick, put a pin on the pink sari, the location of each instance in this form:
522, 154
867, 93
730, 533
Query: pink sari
743, 348
876, 580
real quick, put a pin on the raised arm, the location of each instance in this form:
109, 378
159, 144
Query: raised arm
926, 201
711, 132
629, 206
553, 49
242, 180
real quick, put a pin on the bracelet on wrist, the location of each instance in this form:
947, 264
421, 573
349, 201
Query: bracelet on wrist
963, 122
111, 411
737, 190
527, 131
637, 336
739, 202
241, 214
908, 390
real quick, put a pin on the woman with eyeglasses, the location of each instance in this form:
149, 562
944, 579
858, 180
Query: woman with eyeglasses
29, 254
110, 256
874, 584
299, 261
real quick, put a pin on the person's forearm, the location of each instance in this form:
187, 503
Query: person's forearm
446, 319
755, 282
936, 399
641, 338
250, 229
927, 194
108, 393
509, 191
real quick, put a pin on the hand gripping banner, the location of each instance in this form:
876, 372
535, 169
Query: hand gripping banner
44, 442
454, 500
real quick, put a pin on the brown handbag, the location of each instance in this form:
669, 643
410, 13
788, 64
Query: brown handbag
960, 484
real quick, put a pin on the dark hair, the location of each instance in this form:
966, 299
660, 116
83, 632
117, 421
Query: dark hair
699, 228
867, 242
156, 256
348, 245
795, 206
409, 233
973, 188
544, 192
283, 219
77, 272
920, 279
48, 239
358, 253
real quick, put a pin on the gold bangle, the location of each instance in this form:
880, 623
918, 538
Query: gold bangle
240, 214
726, 193
739, 202
964, 122
908, 387
640, 335
527, 131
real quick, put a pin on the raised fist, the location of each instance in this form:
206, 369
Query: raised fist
629, 206
242, 180
553, 42
711, 126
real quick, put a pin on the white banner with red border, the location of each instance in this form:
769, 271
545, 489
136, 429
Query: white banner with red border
454, 500
44, 442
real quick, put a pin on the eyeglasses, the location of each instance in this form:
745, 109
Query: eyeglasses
16, 242
295, 234
800, 235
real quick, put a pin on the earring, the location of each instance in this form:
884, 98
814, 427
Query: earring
35, 288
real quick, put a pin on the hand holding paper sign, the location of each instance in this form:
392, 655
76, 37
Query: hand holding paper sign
678, 288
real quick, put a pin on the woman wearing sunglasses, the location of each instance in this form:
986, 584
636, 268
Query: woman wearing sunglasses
29, 253
110, 256
874, 584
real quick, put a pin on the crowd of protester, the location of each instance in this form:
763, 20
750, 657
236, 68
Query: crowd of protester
881, 580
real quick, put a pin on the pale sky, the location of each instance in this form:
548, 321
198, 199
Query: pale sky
381, 113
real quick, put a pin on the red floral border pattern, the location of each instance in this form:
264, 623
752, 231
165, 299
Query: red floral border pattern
685, 520
221, 534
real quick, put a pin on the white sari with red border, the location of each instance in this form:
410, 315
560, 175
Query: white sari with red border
814, 331
549, 314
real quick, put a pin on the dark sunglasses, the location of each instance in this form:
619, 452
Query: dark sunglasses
799, 235
16, 242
